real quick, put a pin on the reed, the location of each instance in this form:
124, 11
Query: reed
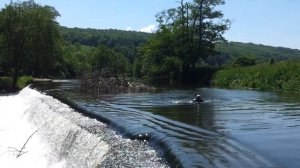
283, 75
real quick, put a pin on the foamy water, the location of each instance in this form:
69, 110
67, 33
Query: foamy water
64, 138
14, 132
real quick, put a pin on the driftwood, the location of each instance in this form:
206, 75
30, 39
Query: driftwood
21, 151
104, 83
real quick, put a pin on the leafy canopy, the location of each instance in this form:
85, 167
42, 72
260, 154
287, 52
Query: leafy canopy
29, 39
187, 34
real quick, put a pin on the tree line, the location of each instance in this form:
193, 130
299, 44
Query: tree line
189, 37
29, 40
82, 45
32, 43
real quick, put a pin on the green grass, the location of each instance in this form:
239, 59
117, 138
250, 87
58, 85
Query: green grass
279, 76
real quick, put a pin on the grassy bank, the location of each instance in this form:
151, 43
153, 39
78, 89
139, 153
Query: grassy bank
278, 76
6, 83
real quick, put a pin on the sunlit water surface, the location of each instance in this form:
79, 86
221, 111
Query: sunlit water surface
232, 128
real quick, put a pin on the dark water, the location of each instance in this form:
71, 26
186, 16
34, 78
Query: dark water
232, 128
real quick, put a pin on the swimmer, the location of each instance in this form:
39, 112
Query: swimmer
198, 99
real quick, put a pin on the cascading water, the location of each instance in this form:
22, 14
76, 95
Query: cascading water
232, 128
72, 140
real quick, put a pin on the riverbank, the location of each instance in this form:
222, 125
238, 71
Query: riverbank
283, 75
7, 82
64, 138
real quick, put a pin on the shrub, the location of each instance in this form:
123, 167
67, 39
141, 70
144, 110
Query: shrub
278, 76
244, 61
24, 81
6, 83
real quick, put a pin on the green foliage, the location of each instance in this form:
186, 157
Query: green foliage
283, 75
96, 37
30, 41
137, 68
106, 59
185, 35
244, 61
156, 62
172, 68
23, 81
188, 36
77, 59
124, 42
79, 51
228, 52
272, 61
6, 82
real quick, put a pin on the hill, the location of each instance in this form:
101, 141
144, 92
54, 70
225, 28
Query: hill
80, 44
121, 41
127, 41
262, 53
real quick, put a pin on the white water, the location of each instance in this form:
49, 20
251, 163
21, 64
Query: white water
64, 138
58, 143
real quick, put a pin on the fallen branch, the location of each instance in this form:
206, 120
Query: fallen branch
96, 82
23, 147
21, 151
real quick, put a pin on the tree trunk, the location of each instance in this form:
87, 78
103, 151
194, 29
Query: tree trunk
200, 25
16, 73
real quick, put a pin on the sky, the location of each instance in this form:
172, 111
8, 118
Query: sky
268, 22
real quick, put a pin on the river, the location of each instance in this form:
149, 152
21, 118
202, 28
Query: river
232, 128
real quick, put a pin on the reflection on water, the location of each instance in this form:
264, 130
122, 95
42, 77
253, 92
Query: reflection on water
232, 128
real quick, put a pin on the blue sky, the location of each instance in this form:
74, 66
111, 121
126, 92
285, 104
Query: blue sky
269, 22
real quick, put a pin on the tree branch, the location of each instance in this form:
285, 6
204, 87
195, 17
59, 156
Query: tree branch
21, 152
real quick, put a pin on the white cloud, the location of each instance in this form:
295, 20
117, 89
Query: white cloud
149, 29
129, 29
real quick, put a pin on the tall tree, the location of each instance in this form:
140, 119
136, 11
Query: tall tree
193, 29
30, 37
13, 38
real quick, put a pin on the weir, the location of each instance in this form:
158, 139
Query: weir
182, 145
78, 141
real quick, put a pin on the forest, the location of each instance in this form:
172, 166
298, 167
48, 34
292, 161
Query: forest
188, 47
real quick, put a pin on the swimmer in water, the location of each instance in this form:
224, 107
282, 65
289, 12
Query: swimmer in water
198, 99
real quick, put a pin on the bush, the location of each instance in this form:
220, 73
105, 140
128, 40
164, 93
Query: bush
278, 76
24, 81
6, 83
244, 61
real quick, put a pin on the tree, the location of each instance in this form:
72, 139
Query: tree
188, 32
244, 61
106, 59
76, 59
30, 38
155, 56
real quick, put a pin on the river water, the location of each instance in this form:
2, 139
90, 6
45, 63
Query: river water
232, 128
